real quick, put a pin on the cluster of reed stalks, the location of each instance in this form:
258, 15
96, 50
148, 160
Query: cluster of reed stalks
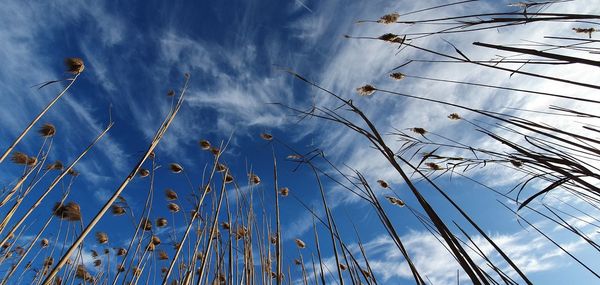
218, 228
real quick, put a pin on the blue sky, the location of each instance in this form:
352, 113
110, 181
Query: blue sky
235, 51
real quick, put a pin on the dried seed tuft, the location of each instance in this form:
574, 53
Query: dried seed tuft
47, 130
366, 90
389, 18
74, 65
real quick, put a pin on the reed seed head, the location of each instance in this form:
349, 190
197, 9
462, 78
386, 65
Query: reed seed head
419, 131
225, 226
151, 246
175, 168
137, 271
143, 172
161, 222
254, 179
70, 211
228, 179
433, 166
215, 150
266, 136
44, 242
101, 237
162, 255
204, 144
300, 243
97, 263
383, 183
366, 273
366, 90
23, 159
221, 167
121, 252
454, 116
117, 210
146, 224
516, 163
588, 31
284, 191
47, 130
48, 261
395, 201
74, 65
173, 208
397, 75
343, 267
171, 194
389, 18
241, 232
82, 273
392, 38
56, 165
171, 93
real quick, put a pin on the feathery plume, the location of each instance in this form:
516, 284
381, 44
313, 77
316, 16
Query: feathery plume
161, 222
47, 130
82, 273
397, 75
433, 166
454, 116
204, 144
121, 252
70, 211
74, 65
117, 210
162, 255
175, 168
56, 165
266, 136
221, 167
284, 191
171, 194
395, 201
173, 208
389, 18
146, 224
366, 90
419, 131
383, 183
143, 172
23, 159
254, 179
392, 38
101, 237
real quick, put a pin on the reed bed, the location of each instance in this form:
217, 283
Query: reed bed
224, 226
